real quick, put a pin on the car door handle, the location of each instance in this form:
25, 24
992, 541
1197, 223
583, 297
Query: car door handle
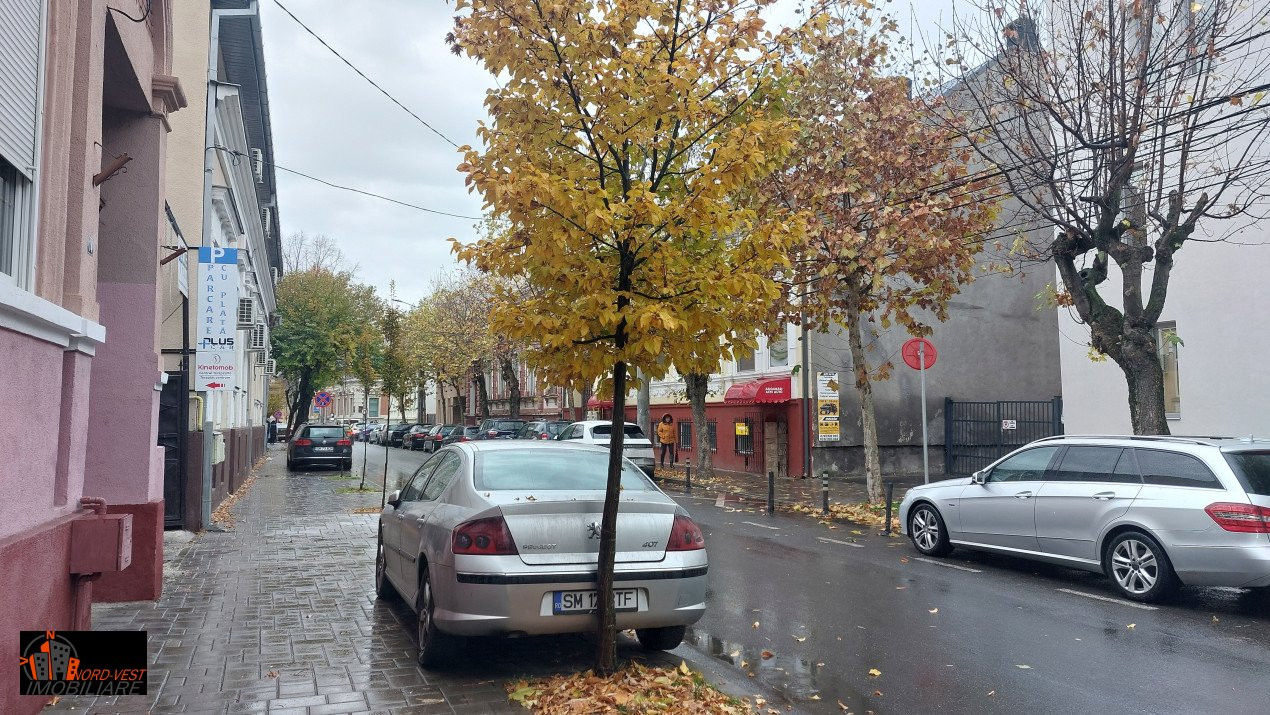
1023, 495
1104, 496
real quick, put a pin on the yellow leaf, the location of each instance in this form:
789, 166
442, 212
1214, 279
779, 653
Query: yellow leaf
933, 610
874, 672
683, 668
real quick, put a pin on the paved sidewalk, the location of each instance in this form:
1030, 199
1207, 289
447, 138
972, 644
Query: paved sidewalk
279, 615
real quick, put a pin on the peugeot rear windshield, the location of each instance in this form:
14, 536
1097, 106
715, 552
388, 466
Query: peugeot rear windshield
1252, 469
552, 470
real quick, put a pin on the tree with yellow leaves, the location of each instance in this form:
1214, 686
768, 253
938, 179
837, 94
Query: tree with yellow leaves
621, 136
887, 240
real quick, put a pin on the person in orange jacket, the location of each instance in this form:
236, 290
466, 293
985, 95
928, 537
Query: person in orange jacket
666, 436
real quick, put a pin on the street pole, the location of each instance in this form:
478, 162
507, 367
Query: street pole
921, 358
806, 403
383, 494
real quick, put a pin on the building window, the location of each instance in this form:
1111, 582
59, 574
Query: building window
712, 432
1166, 338
15, 223
744, 360
20, 46
685, 434
374, 407
778, 349
744, 433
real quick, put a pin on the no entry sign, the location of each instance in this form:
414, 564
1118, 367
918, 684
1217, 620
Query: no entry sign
917, 348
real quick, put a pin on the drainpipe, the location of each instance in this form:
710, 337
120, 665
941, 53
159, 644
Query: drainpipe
806, 402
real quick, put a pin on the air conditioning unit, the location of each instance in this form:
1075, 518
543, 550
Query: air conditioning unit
273, 273
259, 340
246, 313
271, 366
266, 220
262, 358
258, 165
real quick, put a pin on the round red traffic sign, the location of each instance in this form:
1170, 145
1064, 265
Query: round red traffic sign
915, 349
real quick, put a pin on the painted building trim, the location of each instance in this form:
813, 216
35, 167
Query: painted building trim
27, 313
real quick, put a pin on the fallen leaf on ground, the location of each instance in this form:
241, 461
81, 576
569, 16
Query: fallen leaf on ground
1215, 620
1020, 666
767, 654
991, 693
272, 674
755, 625
900, 588
877, 693
874, 672
1131, 625
820, 665
814, 697
842, 706
933, 610
800, 639
635, 688
903, 559
759, 702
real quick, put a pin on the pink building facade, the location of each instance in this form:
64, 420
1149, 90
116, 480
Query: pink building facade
82, 221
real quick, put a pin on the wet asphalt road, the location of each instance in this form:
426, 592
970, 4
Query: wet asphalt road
1009, 635
860, 601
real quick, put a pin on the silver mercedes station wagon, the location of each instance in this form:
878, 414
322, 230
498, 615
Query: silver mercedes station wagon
501, 537
1152, 513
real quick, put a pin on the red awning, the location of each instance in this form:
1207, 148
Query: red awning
594, 404
767, 390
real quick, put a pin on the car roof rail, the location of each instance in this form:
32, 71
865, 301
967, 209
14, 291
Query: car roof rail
1183, 439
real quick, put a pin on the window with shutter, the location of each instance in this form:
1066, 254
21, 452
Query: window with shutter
19, 131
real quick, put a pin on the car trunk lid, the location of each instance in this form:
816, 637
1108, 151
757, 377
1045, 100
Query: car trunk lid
564, 527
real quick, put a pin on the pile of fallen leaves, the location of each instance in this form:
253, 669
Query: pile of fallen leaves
858, 512
222, 514
633, 689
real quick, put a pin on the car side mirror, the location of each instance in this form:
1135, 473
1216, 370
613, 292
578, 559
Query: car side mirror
980, 477
394, 499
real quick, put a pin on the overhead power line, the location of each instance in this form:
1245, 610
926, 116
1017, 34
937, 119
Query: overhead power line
363, 75
353, 189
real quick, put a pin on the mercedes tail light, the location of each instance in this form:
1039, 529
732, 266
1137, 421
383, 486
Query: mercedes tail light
685, 535
344, 443
488, 537
302, 442
1247, 518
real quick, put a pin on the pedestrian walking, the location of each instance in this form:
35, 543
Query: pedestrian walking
273, 429
666, 436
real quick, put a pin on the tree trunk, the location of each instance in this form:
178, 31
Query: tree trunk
482, 392
513, 387
1144, 375
299, 409
421, 395
696, 385
366, 423
643, 408
580, 413
868, 417
606, 651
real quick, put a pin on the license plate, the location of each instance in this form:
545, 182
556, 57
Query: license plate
624, 599
323, 449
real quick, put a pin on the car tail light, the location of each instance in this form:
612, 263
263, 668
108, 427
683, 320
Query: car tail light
492, 433
303, 442
344, 443
489, 537
544, 435
1247, 518
685, 535
465, 438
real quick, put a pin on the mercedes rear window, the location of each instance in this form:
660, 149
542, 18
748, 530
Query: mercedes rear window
632, 431
326, 433
545, 469
1253, 470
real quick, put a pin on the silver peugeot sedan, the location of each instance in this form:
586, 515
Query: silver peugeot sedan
502, 537
1152, 513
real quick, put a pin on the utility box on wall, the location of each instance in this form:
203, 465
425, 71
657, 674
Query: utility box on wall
101, 543
218, 447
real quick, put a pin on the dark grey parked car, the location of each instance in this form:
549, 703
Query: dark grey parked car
328, 445
499, 428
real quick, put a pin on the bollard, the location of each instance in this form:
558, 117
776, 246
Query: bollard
824, 492
687, 476
771, 493
890, 496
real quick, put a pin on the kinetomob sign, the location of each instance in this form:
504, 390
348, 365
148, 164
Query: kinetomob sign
215, 365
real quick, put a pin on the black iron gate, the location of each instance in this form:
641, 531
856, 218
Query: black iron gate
978, 433
172, 429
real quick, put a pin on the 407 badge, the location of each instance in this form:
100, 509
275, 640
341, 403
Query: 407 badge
82, 663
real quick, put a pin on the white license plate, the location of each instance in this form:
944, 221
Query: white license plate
323, 449
624, 599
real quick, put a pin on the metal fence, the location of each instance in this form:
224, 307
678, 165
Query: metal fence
978, 433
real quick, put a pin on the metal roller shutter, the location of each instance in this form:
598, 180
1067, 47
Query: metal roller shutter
19, 81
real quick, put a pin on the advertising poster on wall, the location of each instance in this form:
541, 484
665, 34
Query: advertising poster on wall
827, 424
217, 315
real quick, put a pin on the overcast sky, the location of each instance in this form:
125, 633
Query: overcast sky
332, 124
